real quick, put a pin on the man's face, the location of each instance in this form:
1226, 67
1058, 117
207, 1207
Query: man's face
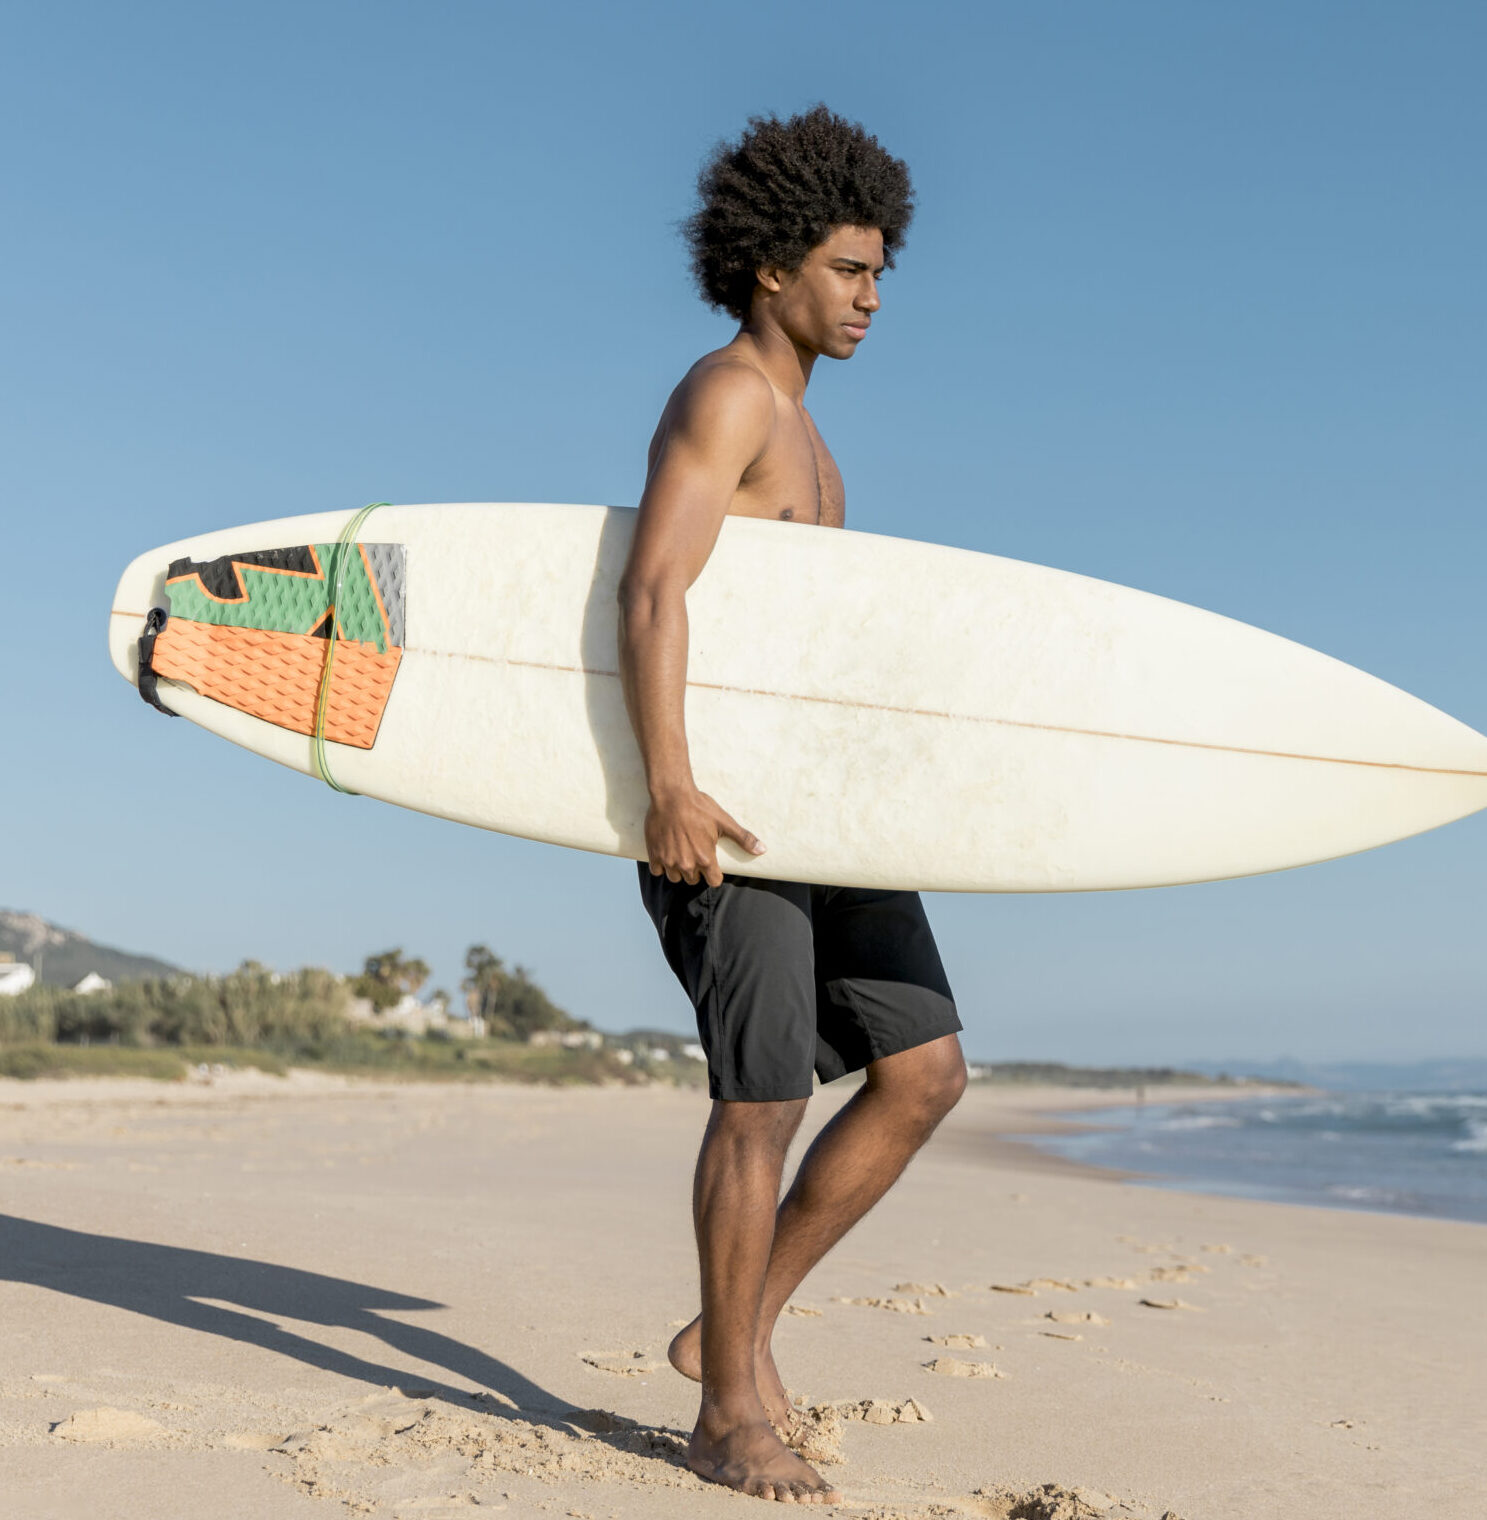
827, 304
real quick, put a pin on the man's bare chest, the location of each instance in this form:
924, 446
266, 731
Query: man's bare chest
796, 480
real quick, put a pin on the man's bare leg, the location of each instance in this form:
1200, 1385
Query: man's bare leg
855, 1159
734, 1199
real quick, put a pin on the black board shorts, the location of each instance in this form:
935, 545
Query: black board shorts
788, 979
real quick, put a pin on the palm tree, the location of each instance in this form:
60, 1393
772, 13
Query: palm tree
482, 988
387, 977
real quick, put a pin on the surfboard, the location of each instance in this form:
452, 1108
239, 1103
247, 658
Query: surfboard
879, 711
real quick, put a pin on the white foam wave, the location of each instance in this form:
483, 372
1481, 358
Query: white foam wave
1199, 1121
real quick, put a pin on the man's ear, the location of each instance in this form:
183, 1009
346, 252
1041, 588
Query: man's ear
771, 279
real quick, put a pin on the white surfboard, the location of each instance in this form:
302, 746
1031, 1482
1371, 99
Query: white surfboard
880, 712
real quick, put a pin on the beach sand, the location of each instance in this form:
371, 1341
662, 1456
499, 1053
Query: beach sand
268, 1298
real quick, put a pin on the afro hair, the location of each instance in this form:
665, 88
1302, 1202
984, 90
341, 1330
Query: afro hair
780, 191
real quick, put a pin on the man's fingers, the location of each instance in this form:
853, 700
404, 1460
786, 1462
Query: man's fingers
732, 829
655, 869
713, 874
672, 874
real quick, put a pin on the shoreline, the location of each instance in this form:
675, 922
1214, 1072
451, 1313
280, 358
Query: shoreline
1017, 1112
1322, 1187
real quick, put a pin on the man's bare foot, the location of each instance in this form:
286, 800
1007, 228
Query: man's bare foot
751, 1458
685, 1354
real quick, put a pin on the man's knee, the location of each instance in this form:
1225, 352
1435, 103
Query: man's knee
945, 1083
926, 1081
763, 1126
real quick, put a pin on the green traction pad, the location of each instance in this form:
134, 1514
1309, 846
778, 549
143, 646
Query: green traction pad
290, 591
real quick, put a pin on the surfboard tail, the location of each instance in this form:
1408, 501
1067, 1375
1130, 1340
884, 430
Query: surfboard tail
253, 631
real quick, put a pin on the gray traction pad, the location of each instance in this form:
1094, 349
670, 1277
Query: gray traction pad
389, 564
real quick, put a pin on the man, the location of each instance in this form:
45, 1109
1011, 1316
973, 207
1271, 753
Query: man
796, 224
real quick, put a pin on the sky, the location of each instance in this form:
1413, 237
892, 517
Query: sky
1193, 302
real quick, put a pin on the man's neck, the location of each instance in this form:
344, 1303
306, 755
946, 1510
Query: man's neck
787, 364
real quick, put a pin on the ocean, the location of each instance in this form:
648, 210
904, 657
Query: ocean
1399, 1152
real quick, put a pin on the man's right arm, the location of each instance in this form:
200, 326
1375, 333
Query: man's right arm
717, 425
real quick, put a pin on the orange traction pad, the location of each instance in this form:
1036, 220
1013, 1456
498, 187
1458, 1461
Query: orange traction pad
276, 676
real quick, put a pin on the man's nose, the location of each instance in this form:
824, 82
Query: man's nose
867, 300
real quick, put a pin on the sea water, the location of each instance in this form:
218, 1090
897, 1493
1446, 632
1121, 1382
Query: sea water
1401, 1152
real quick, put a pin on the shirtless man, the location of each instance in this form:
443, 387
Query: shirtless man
796, 223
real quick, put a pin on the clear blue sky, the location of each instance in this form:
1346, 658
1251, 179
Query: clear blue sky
1194, 302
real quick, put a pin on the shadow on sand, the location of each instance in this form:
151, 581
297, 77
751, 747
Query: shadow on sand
170, 1283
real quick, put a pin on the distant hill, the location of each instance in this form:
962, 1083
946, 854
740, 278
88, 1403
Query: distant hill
63, 957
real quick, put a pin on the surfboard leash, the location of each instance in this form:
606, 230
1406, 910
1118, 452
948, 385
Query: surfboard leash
322, 700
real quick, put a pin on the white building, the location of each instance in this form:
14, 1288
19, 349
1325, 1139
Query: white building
569, 1039
410, 1015
15, 976
92, 982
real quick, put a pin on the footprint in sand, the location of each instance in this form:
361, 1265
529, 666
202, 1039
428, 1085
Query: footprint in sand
950, 1366
1111, 1282
600, 1422
1217, 1250
883, 1411
107, 1426
1052, 1501
816, 1432
1076, 1317
254, 1440
1166, 1303
893, 1305
1055, 1284
1060, 1335
622, 1363
957, 1342
801, 1310
1022, 1288
929, 1290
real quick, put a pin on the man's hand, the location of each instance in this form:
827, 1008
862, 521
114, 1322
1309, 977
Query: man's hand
682, 830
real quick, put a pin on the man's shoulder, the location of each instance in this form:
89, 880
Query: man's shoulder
725, 378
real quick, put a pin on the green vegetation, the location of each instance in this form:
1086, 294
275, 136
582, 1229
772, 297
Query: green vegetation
252, 1007
164, 1063
387, 978
513, 1006
258, 1018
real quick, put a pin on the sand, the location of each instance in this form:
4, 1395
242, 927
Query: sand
265, 1298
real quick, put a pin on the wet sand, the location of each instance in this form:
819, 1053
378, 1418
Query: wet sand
312, 1297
